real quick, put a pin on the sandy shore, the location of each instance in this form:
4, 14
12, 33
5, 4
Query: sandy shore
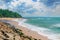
26, 31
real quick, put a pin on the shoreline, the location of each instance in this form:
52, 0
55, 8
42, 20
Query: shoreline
20, 24
27, 31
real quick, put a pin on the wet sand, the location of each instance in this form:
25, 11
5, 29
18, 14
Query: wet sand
25, 30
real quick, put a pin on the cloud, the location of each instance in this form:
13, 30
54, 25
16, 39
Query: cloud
33, 8
34, 0
56, 11
50, 3
4, 4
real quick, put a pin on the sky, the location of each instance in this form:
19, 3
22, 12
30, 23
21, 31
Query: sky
33, 8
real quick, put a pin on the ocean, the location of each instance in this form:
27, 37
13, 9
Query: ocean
48, 26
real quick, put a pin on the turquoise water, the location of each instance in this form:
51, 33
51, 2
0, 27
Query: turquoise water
52, 23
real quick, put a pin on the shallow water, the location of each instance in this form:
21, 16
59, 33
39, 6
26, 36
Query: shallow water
49, 26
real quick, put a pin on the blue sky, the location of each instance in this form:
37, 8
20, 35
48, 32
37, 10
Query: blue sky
33, 8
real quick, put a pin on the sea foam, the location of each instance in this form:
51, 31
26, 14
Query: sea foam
40, 30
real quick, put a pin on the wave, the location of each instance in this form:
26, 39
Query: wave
40, 30
56, 25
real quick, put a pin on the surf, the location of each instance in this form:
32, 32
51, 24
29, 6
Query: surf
40, 30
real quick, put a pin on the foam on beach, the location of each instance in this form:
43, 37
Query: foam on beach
42, 31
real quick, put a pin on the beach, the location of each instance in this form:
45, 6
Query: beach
25, 30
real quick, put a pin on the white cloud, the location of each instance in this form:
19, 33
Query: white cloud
42, 10
14, 3
56, 11
3, 7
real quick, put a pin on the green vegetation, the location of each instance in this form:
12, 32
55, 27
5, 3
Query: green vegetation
9, 14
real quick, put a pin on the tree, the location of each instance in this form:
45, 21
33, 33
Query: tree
9, 14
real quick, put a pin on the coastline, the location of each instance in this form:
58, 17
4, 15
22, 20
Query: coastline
25, 30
